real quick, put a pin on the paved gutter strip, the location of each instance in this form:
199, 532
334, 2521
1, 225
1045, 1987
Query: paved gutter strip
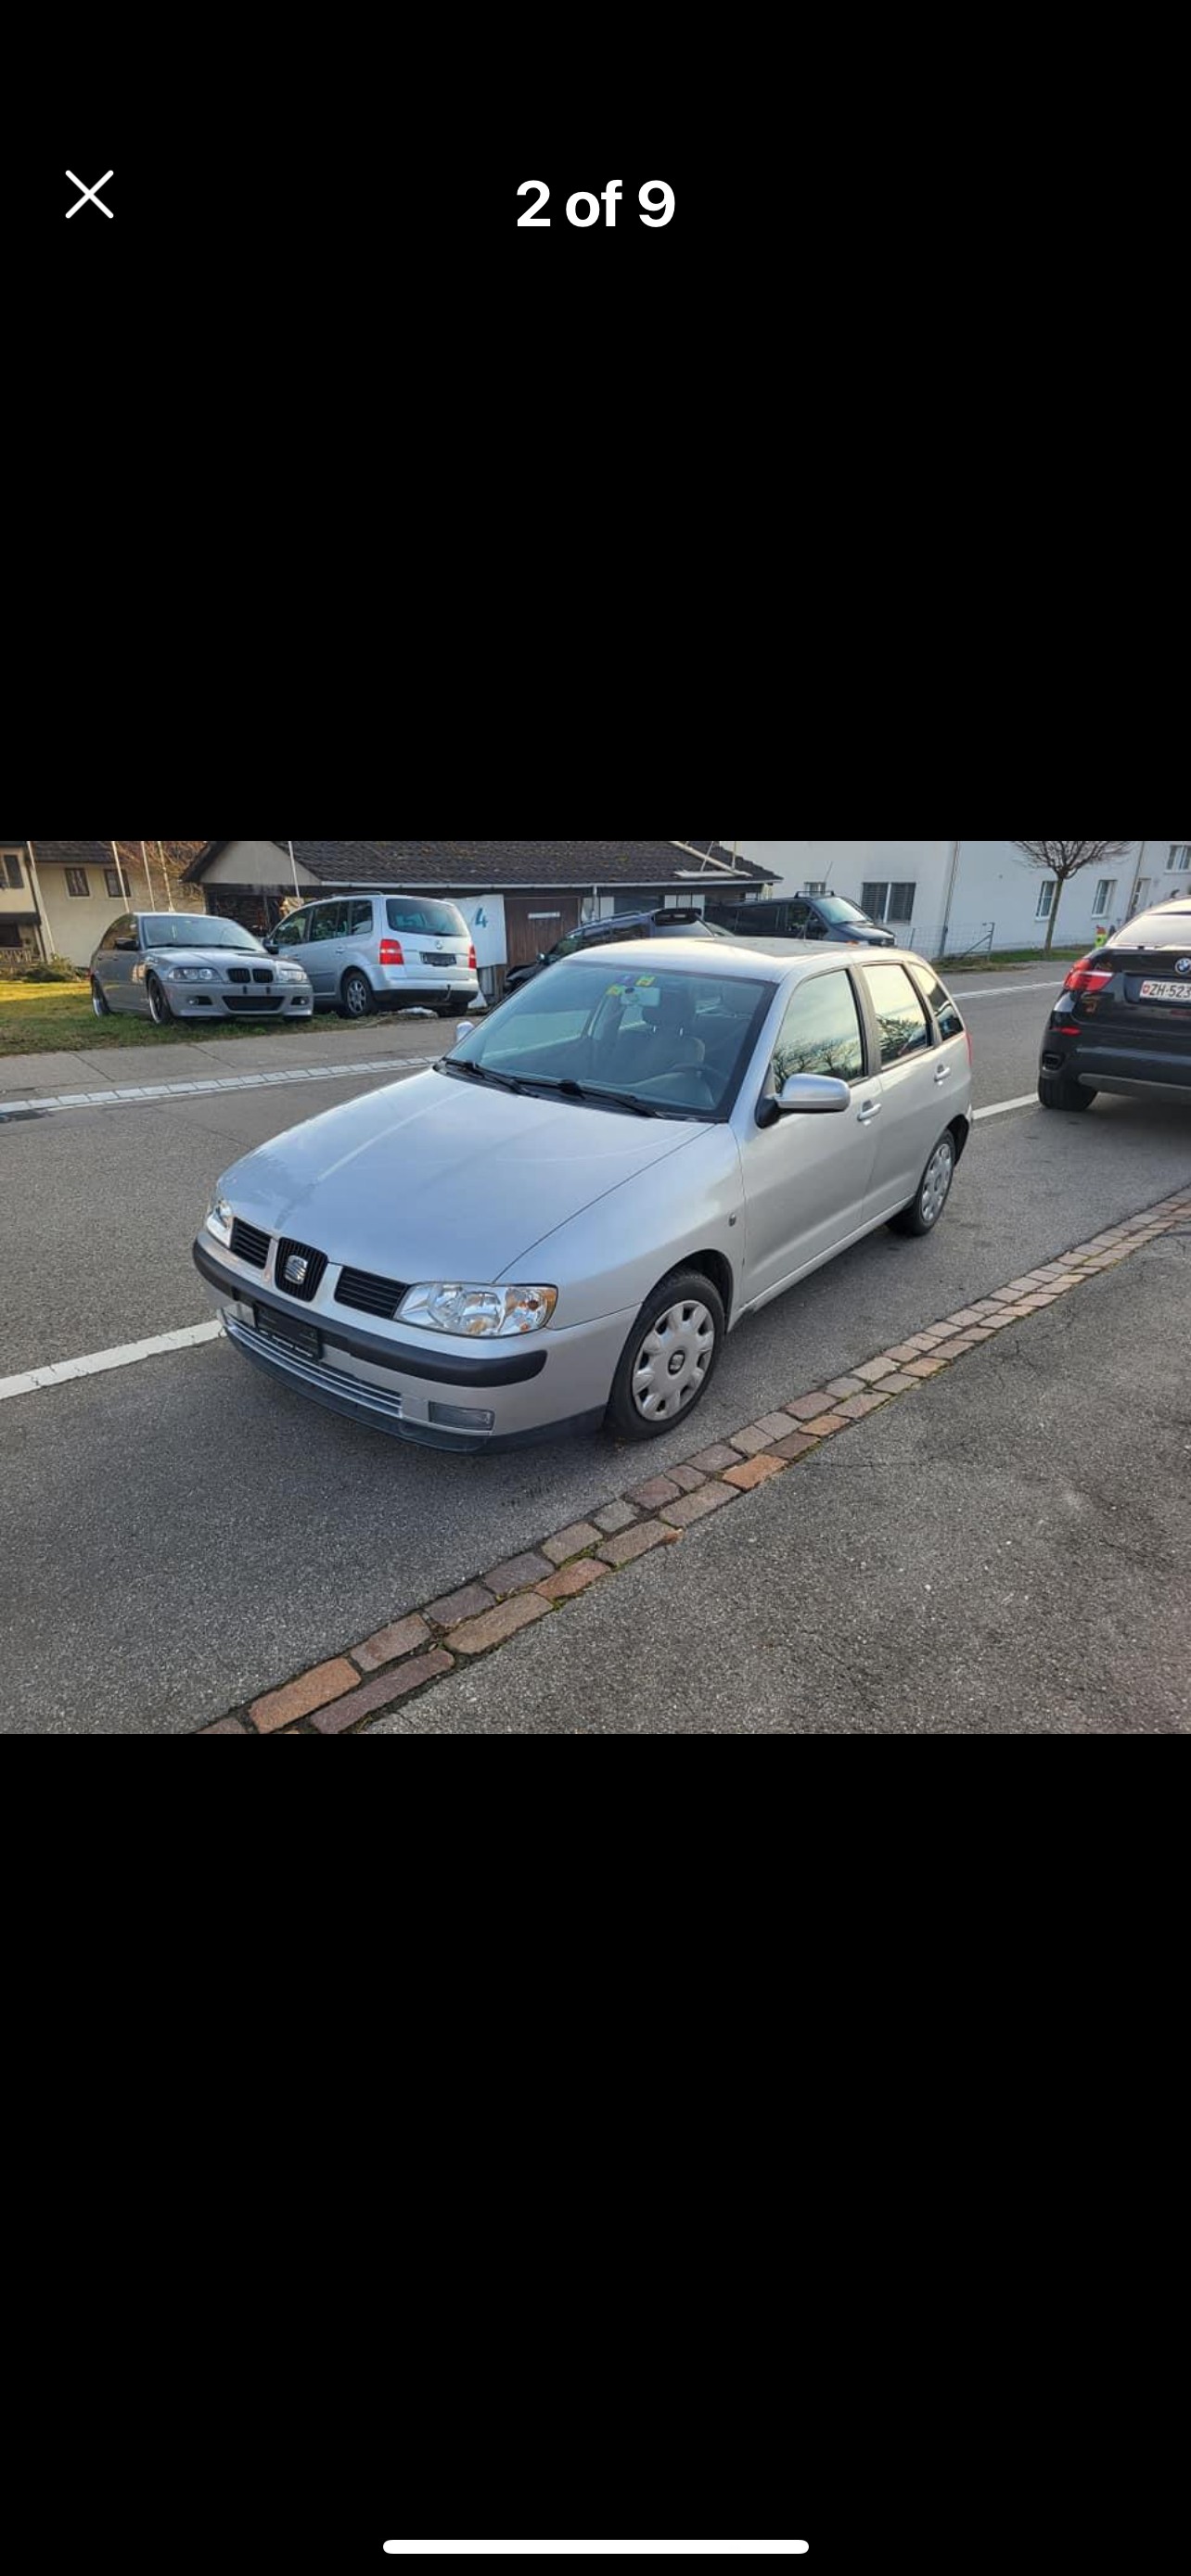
226, 1082
347, 1691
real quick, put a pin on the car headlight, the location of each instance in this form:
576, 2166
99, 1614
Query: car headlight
190, 974
291, 975
447, 1306
219, 1221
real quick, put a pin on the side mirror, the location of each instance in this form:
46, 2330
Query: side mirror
818, 1093
271, 944
462, 1030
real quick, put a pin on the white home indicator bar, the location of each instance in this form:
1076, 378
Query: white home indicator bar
596, 2548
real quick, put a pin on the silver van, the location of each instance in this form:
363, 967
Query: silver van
383, 950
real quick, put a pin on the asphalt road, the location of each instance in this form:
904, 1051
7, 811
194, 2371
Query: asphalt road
180, 1534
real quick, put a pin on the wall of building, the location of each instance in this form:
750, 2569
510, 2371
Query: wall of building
981, 894
254, 863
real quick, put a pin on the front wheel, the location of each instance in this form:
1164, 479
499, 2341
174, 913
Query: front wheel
99, 1001
931, 1196
669, 1359
356, 996
159, 1006
1057, 1091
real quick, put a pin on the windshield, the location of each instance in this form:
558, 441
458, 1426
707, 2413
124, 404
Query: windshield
835, 907
433, 920
674, 1043
193, 930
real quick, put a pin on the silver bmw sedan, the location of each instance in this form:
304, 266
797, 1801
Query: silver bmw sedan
510, 1196
187, 966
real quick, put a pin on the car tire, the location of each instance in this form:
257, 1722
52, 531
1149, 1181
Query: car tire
1057, 1091
933, 1191
159, 1004
356, 997
99, 1001
684, 1303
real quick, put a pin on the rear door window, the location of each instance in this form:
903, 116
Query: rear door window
902, 1025
359, 919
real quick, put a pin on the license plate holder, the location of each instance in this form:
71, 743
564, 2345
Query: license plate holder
289, 1332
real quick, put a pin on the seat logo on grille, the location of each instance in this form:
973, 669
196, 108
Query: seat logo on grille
295, 1271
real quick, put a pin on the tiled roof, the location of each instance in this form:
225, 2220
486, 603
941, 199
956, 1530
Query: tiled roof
73, 854
507, 863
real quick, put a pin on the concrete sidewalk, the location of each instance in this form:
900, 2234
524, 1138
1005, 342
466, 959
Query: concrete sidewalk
1003, 1554
328, 1041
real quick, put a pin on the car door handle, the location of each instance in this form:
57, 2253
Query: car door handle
868, 1111
941, 1072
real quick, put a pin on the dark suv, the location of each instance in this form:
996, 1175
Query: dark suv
803, 916
664, 922
1123, 1019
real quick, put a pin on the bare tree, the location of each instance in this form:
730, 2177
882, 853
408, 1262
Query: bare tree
1063, 859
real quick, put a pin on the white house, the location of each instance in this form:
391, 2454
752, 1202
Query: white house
947, 897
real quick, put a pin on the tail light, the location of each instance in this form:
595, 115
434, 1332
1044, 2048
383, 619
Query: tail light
471, 959
391, 953
1088, 979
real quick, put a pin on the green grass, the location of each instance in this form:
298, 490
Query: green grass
37, 1019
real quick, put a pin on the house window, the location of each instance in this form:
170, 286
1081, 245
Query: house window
1180, 855
1046, 896
889, 902
1106, 895
10, 870
76, 881
114, 883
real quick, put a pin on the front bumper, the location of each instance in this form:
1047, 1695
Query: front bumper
406, 1383
282, 1002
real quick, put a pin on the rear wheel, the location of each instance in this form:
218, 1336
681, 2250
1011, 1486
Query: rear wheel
159, 1006
933, 1191
1057, 1091
99, 1001
356, 997
669, 1359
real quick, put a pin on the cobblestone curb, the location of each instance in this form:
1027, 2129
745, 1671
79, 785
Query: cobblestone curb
345, 1692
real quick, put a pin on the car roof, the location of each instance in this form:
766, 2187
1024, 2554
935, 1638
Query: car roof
717, 959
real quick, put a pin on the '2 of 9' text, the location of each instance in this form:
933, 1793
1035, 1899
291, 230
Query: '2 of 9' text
656, 200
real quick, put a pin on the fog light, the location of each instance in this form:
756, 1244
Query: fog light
462, 1417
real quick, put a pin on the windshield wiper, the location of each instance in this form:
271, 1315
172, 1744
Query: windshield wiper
481, 1073
591, 1091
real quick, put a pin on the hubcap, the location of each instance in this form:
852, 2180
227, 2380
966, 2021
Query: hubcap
355, 999
937, 1182
673, 1360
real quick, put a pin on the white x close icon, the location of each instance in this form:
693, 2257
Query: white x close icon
89, 194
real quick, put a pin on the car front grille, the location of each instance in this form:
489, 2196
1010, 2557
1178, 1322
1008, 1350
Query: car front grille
249, 1244
316, 1373
316, 1263
369, 1293
257, 1003
238, 974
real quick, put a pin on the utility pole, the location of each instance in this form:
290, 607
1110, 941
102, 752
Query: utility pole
956, 847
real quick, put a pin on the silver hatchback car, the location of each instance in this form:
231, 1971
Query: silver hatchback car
510, 1194
369, 952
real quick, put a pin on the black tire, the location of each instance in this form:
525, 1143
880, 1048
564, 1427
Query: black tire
446, 1011
159, 1004
99, 1001
933, 1191
683, 1289
356, 997
1057, 1091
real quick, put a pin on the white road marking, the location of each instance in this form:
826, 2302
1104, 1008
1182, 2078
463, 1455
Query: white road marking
228, 1082
122, 1356
1005, 992
1027, 1100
